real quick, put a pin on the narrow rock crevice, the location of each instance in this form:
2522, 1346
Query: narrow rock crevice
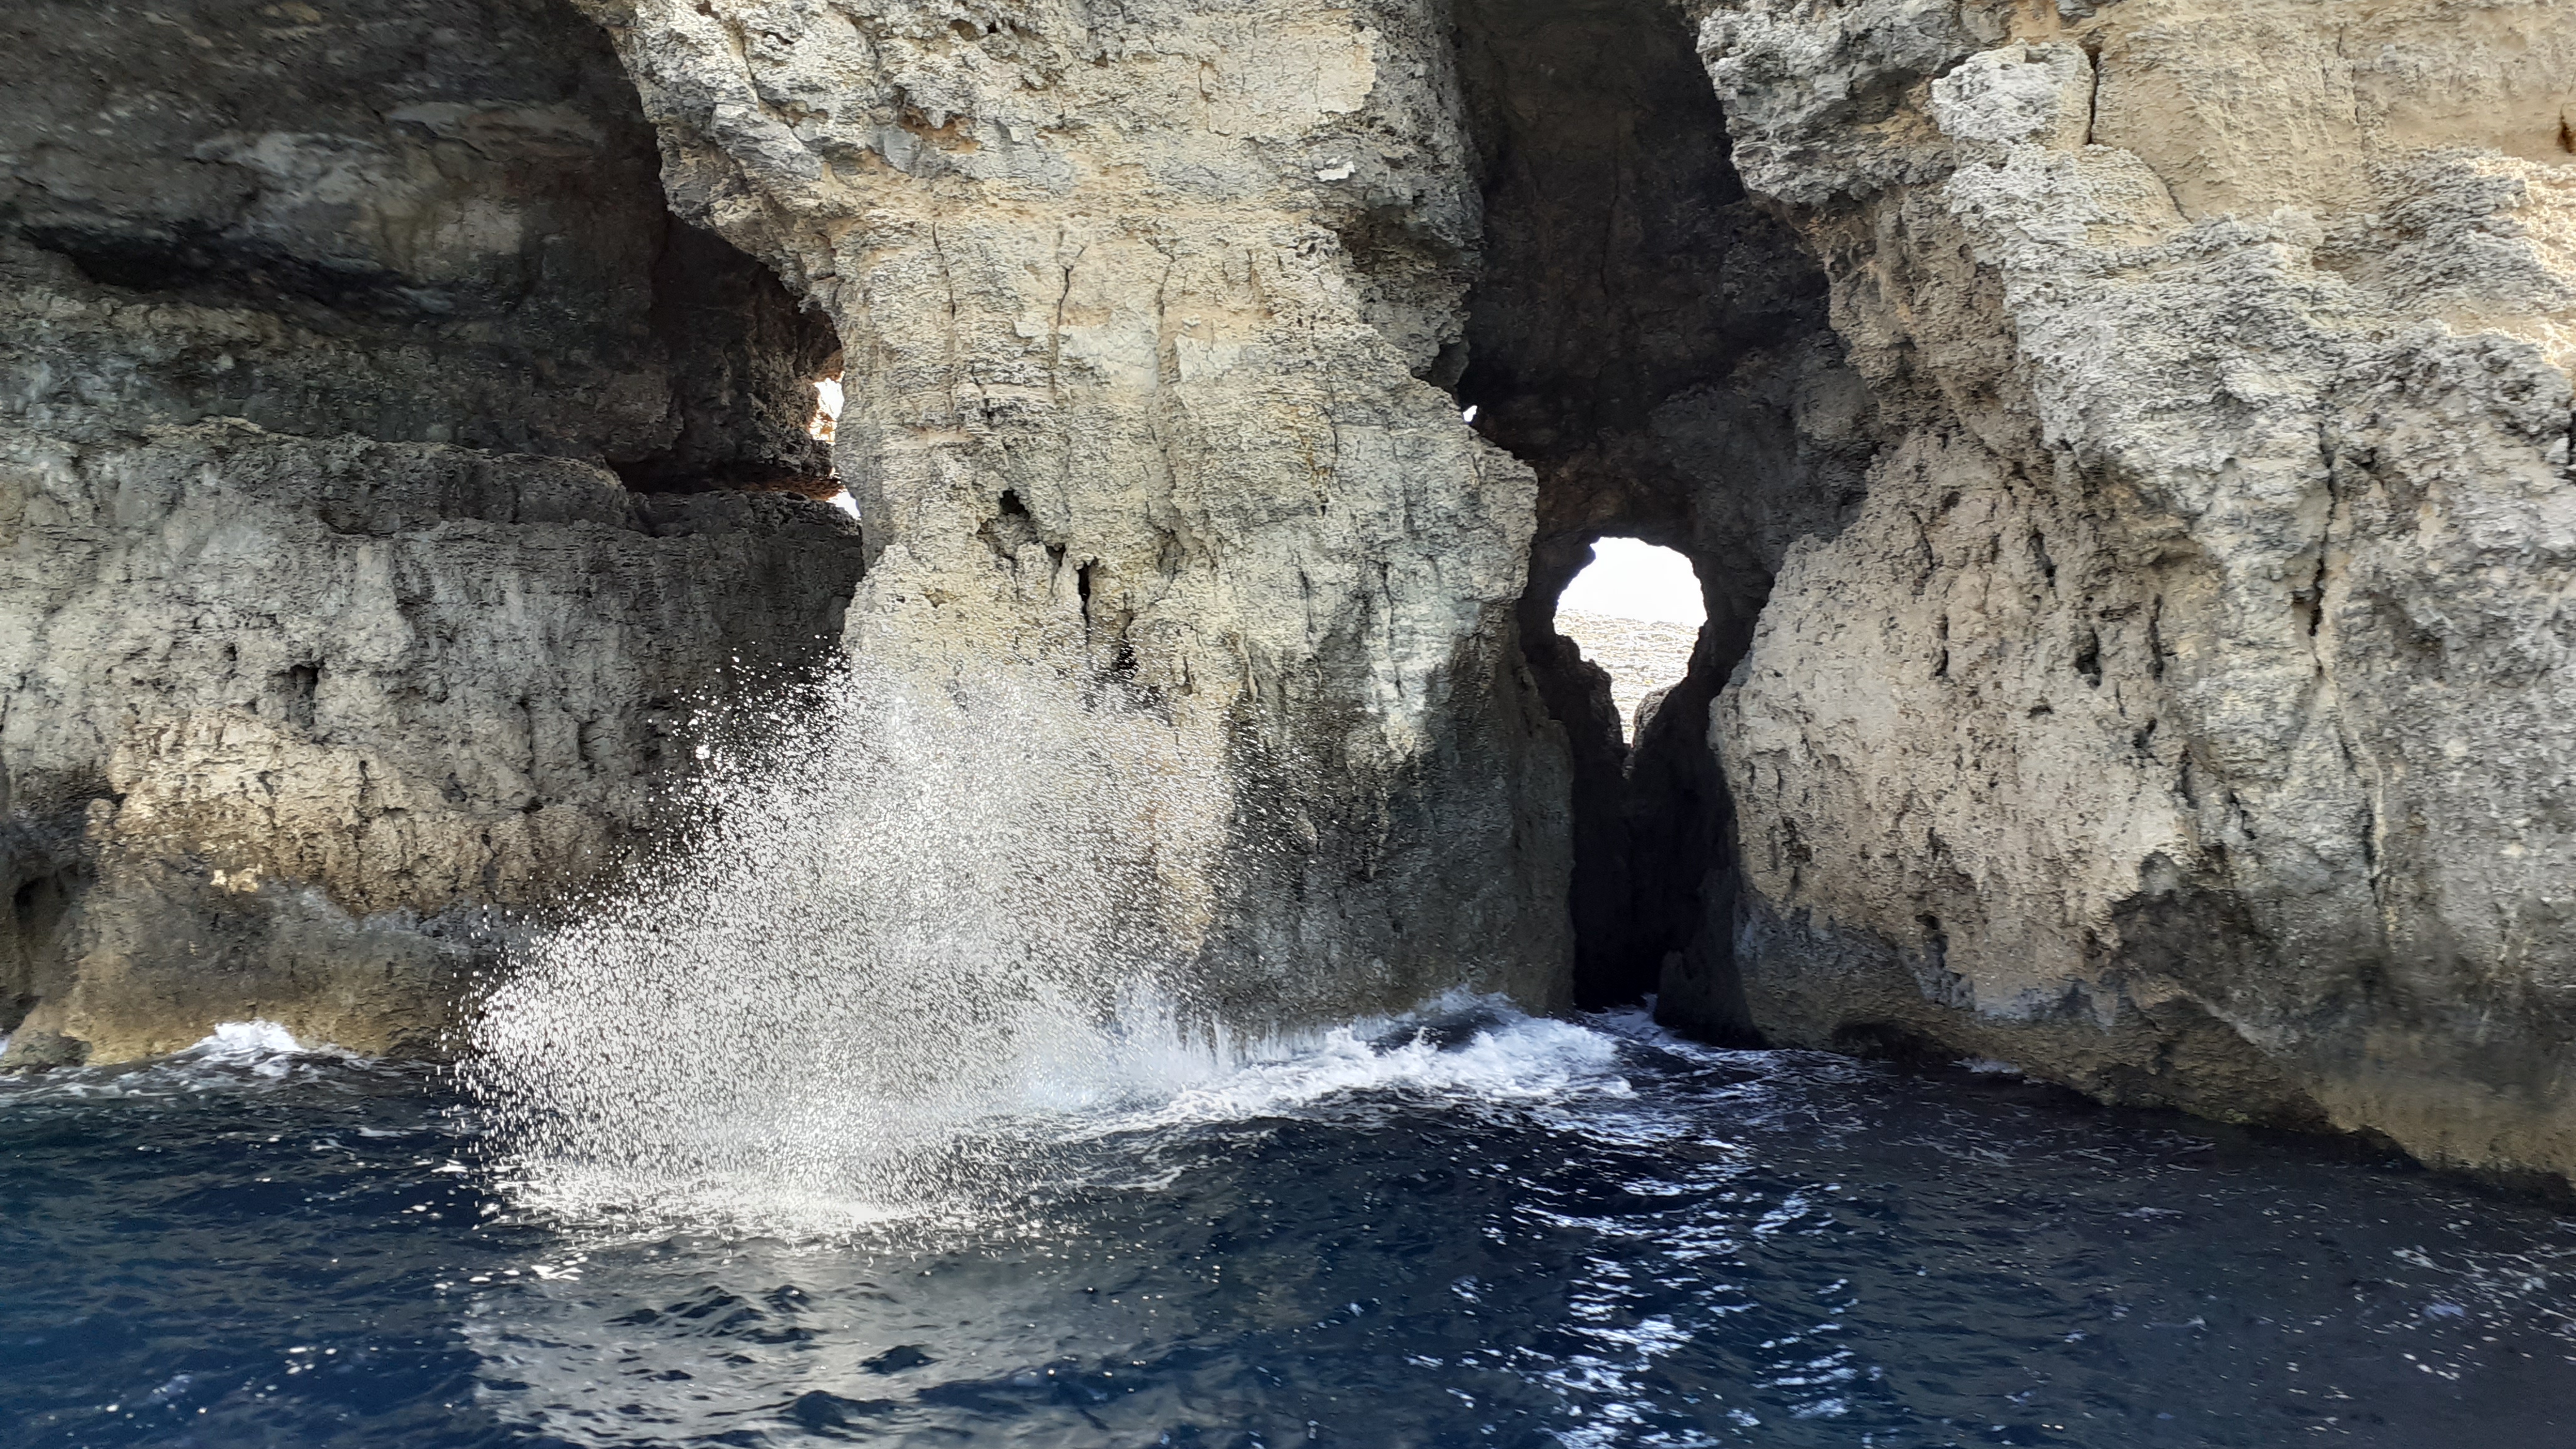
1657, 349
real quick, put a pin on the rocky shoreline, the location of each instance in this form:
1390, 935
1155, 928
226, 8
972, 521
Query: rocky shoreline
2128, 445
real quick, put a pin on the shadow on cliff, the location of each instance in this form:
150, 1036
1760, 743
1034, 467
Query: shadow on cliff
1656, 348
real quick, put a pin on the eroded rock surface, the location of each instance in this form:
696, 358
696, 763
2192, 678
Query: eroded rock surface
326, 621
2125, 447
2183, 714
1143, 308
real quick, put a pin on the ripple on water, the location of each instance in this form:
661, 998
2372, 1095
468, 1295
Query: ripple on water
1475, 1229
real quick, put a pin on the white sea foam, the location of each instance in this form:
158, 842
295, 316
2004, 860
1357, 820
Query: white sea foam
967, 1170
235, 1053
927, 938
266, 1047
1514, 1059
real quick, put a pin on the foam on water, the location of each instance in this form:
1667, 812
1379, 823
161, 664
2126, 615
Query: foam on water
234, 1054
1460, 1053
1502, 1057
266, 1047
1465, 1226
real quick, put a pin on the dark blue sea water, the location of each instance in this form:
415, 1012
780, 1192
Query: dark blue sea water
1519, 1233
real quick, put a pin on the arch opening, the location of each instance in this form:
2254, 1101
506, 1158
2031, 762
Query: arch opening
826, 418
824, 425
746, 361
1656, 347
1653, 888
1635, 611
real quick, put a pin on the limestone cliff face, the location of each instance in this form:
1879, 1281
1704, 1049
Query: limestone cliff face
326, 617
2183, 713
2125, 445
1143, 309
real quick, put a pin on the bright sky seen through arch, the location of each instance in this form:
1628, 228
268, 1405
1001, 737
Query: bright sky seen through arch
1629, 579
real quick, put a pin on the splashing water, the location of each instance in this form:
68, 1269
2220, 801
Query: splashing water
1475, 1228
926, 912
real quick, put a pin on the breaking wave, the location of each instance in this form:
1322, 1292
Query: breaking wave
234, 1054
925, 940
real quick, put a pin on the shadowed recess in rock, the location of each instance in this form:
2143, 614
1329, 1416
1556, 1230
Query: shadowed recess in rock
426, 222
1657, 349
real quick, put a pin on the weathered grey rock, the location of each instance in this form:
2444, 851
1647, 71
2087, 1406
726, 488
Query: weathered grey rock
2184, 714
326, 621
42, 1051
1138, 304
2126, 447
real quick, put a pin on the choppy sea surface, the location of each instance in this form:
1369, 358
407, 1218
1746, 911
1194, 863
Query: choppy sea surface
1475, 1230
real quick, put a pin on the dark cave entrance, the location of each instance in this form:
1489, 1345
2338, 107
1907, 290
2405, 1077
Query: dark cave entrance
1653, 841
1640, 335
503, 273
746, 361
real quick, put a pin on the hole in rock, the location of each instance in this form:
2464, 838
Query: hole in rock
32, 946
1629, 642
822, 427
755, 376
496, 266
1635, 611
1656, 348
827, 408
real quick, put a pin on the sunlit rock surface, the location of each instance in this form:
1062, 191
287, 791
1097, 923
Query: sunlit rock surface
2184, 715
1143, 311
2125, 447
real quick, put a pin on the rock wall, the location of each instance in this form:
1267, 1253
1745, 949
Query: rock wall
2125, 446
326, 620
2184, 714
1144, 309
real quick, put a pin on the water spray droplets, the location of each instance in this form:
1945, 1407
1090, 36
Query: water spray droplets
931, 907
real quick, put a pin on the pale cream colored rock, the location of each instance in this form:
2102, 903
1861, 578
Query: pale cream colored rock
2185, 715
1136, 307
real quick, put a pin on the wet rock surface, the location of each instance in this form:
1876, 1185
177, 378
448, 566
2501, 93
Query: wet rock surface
34, 1050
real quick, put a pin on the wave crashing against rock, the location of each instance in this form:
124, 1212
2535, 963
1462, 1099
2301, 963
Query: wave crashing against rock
920, 908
